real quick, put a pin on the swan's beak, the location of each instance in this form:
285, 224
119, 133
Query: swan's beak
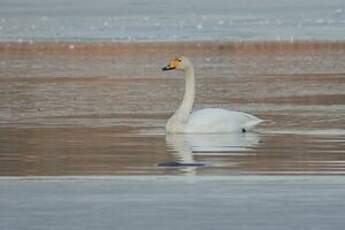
168, 67
172, 65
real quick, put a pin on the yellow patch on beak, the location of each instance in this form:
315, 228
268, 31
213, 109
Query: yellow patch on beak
174, 64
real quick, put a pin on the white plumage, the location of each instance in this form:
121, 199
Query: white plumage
215, 120
210, 120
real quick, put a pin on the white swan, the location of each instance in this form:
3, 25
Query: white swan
210, 120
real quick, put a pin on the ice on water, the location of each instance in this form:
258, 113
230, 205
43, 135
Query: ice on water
122, 20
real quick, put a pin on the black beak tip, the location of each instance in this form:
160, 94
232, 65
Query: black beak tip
166, 68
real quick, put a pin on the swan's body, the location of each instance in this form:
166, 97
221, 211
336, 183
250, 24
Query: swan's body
211, 120
214, 120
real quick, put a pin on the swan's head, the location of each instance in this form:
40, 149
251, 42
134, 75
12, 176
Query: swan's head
181, 63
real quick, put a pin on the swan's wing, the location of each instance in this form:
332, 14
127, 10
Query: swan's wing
220, 120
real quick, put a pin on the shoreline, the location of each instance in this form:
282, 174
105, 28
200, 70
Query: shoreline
110, 47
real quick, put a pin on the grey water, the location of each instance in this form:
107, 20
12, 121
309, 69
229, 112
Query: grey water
82, 140
235, 202
103, 114
180, 20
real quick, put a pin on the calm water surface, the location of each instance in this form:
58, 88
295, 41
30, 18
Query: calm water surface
85, 113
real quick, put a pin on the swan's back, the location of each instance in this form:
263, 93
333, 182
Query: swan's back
214, 120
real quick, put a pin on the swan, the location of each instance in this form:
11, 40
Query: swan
209, 120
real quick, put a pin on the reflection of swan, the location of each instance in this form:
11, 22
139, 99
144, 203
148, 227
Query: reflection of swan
186, 146
211, 120
211, 144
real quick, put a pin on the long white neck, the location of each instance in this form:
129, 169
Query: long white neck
181, 115
186, 106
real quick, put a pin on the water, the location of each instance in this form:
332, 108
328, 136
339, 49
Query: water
67, 112
82, 141
82, 115
241, 202
151, 20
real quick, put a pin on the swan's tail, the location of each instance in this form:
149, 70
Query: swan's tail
251, 122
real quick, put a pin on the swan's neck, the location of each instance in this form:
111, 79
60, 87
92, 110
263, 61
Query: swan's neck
181, 115
188, 99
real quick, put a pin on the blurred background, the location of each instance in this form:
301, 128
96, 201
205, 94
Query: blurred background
178, 20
